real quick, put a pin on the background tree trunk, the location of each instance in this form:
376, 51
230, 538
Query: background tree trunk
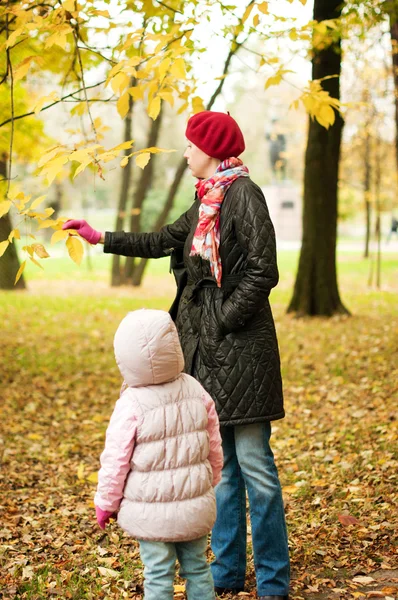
144, 185
116, 272
316, 290
393, 13
9, 263
366, 185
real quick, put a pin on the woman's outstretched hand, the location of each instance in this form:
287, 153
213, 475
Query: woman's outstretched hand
84, 229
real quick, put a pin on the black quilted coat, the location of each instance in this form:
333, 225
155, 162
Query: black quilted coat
227, 334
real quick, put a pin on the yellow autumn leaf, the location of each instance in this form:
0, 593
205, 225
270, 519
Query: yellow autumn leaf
75, 249
58, 236
325, 116
3, 246
179, 589
49, 155
80, 469
47, 223
22, 69
124, 161
256, 20
143, 159
163, 68
274, 80
41, 251
93, 477
168, 96
36, 262
137, 92
69, 5
36, 202
54, 168
123, 104
20, 271
290, 489
5, 207
177, 69
57, 39
123, 146
182, 108
28, 249
53, 97
154, 108
119, 82
247, 12
13, 37
81, 156
14, 234
263, 7
197, 104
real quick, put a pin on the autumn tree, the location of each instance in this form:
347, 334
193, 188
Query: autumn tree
316, 289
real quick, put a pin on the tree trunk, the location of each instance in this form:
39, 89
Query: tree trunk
161, 220
116, 272
393, 13
143, 187
366, 185
316, 290
9, 263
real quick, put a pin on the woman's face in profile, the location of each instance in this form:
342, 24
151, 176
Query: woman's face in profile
199, 163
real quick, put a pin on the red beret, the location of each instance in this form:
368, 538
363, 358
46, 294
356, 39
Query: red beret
216, 134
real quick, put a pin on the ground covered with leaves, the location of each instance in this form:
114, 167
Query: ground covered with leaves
336, 450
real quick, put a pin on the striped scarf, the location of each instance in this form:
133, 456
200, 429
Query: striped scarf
211, 193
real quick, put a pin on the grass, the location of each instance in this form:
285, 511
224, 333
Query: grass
336, 449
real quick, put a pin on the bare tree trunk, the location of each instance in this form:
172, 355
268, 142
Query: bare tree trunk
366, 185
9, 263
140, 268
144, 185
316, 290
393, 13
181, 168
116, 272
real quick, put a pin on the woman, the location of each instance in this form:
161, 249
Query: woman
224, 258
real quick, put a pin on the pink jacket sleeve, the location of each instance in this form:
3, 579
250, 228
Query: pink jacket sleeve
216, 457
115, 459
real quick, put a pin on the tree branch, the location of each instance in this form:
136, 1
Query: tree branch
32, 112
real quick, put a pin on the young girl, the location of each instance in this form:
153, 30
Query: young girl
162, 457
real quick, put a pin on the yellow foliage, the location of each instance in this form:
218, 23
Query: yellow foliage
263, 7
142, 159
20, 271
197, 104
36, 202
58, 236
123, 105
3, 246
154, 108
5, 207
75, 249
178, 69
319, 104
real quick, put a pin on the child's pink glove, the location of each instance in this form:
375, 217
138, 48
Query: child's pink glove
84, 229
103, 516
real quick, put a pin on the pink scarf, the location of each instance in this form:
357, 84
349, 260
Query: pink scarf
211, 192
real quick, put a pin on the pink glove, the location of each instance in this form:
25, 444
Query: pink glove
103, 516
84, 229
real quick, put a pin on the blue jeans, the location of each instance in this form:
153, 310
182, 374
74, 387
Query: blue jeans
249, 464
159, 560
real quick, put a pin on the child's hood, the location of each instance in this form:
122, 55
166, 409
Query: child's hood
147, 348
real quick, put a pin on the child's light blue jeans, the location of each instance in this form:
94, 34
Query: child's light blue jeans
159, 560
